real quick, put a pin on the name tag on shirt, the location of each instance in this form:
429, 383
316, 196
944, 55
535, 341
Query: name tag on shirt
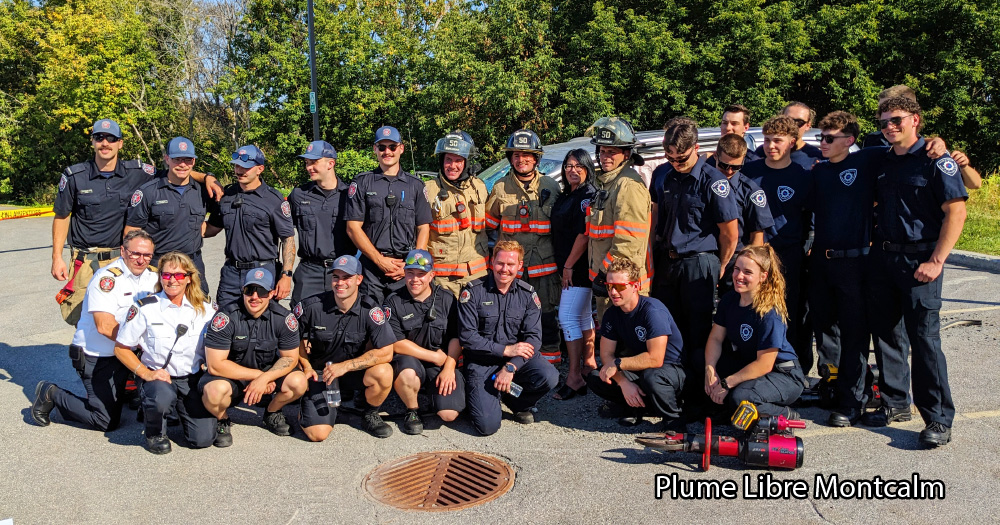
86, 191
241, 337
164, 201
487, 303
407, 316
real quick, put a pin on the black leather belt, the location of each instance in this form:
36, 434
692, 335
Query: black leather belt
104, 255
241, 265
674, 255
395, 255
844, 254
916, 247
326, 263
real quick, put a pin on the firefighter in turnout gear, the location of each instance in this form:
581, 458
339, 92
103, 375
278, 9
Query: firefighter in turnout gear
458, 207
520, 205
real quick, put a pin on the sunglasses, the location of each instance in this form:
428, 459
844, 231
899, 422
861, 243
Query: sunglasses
830, 138
620, 287
679, 160
390, 147
138, 255
725, 166
246, 157
255, 289
421, 260
101, 137
166, 276
799, 122
895, 121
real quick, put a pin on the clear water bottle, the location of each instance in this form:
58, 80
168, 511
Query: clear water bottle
332, 392
515, 389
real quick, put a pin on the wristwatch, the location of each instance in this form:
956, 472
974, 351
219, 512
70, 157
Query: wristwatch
510, 367
287, 272
722, 381
618, 363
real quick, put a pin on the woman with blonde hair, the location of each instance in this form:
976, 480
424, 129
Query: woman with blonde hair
759, 364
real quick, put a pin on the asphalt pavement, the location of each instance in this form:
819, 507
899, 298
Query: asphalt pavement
571, 466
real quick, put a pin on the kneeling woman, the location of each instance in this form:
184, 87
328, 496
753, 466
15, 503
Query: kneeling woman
748, 356
170, 326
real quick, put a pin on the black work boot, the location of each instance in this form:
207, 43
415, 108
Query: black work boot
844, 417
374, 425
43, 404
935, 435
884, 415
524, 417
275, 422
412, 424
158, 444
223, 433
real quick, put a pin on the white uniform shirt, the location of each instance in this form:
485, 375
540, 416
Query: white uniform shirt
154, 324
113, 294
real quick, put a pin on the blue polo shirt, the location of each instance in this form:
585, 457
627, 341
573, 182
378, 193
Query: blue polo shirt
910, 192
649, 319
843, 199
692, 205
788, 195
750, 332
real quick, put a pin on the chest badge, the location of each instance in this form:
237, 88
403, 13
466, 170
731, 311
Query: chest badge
848, 176
640, 332
746, 332
785, 193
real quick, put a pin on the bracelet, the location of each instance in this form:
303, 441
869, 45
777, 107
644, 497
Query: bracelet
136, 370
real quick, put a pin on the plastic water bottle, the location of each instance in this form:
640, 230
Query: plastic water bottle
515, 389
332, 392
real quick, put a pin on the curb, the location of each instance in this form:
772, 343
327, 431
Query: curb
977, 261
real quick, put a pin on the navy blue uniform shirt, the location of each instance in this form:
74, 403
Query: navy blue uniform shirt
649, 319
97, 203
874, 139
805, 157
692, 205
489, 320
173, 219
751, 201
750, 333
843, 199
254, 220
412, 319
569, 219
390, 209
788, 197
253, 342
910, 193
337, 336
319, 217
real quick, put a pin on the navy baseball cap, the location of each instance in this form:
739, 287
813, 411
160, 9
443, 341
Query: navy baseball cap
248, 157
347, 264
106, 125
319, 149
260, 276
181, 148
388, 133
419, 259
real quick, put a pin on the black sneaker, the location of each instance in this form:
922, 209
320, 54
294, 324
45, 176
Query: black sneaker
43, 404
158, 444
884, 415
223, 433
524, 417
844, 417
935, 435
275, 422
412, 424
374, 425
609, 410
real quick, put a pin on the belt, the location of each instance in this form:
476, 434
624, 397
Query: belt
844, 254
916, 247
320, 261
785, 365
395, 255
674, 255
101, 254
241, 265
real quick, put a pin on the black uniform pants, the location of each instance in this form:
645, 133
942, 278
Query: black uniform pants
310, 278
662, 387
159, 397
772, 392
375, 284
537, 377
687, 288
427, 374
104, 380
838, 304
896, 295
799, 332
231, 281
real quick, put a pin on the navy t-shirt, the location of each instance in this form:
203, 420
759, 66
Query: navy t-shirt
751, 201
750, 333
843, 200
788, 196
569, 219
649, 319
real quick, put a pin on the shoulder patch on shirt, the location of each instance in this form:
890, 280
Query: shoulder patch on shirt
132, 311
721, 188
297, 311
848, 176
136, 198
291, 322
107, 283
62, 182
220, 321
464, 296
377, 315
640, 332
286, 209
584, 204
785, 193
948, 166
352, 190
538, 302
759, 198
148, 168
746, 332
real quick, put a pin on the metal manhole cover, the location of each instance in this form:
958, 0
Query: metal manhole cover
436, 481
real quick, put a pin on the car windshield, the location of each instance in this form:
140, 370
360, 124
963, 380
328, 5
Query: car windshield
496, 172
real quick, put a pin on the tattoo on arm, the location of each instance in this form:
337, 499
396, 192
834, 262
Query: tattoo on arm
283, 363
363, 362
287, 253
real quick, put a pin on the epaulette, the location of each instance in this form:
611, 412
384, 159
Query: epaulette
524, 285
318, 298
368, 302
276, 192
149, 299
278, 309
116, 271
76, 168
152, 268
475, 282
